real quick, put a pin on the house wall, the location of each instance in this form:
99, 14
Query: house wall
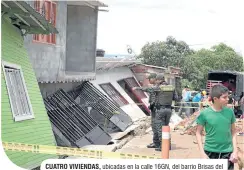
81, 39
114, 75
72, 58
33, 131
50, 88
48, 60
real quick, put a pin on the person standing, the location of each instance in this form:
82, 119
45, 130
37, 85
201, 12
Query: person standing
186, 96
152, 96
198, 98
165, 94
219, 124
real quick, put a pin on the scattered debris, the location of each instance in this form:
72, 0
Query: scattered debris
120, 139
188, 125
192, 131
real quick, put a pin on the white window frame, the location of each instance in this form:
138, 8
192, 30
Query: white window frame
22, 117
119, 99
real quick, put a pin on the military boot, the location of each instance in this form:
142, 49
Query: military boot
152, 145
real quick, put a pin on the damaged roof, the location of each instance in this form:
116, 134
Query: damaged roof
26, 17
90, 3
109, 63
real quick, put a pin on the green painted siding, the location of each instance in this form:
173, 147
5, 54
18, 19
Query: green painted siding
33, 131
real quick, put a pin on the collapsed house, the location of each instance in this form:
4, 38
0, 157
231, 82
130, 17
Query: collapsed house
116, 80
109, 103
104, 110
96, 93
62, 62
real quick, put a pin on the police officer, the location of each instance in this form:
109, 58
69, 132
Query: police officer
152, 96
165, 94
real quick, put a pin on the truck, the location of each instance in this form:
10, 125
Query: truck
232, 79
222, 77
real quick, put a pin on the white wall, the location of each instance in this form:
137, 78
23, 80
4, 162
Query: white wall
114, 75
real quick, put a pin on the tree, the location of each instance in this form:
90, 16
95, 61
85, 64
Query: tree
165, 53
195, 65
219, 57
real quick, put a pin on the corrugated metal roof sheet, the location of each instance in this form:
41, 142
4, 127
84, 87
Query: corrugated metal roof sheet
88, 3
109, 63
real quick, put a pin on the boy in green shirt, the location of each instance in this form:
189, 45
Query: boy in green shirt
219, 123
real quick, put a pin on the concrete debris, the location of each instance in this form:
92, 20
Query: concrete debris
148, 130
123, 142
138, 128
145, 123
188, 125
192, 131
175, 119
120, 139
120, 135
186, 122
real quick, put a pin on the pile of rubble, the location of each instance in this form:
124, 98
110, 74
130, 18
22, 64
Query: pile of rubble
188, 125
186, 122
192, 131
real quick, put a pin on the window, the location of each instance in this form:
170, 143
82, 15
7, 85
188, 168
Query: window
114, 94
18, 96
131, 82
48, 9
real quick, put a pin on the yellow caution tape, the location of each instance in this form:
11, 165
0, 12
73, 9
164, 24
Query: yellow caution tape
186, 107
78, 152
195, 102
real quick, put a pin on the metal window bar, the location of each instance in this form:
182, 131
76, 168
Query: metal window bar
63, 122
105, 102
18, 95
108, 88
99, 106
107, 107
92, 95
111, 103
96, 99
73, 121
72, 110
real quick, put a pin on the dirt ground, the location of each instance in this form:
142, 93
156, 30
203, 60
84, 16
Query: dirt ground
183, 146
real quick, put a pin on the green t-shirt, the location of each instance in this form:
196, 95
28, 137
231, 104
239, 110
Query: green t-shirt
218, 129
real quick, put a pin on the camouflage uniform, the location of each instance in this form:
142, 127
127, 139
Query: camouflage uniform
164, 97
152, 97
